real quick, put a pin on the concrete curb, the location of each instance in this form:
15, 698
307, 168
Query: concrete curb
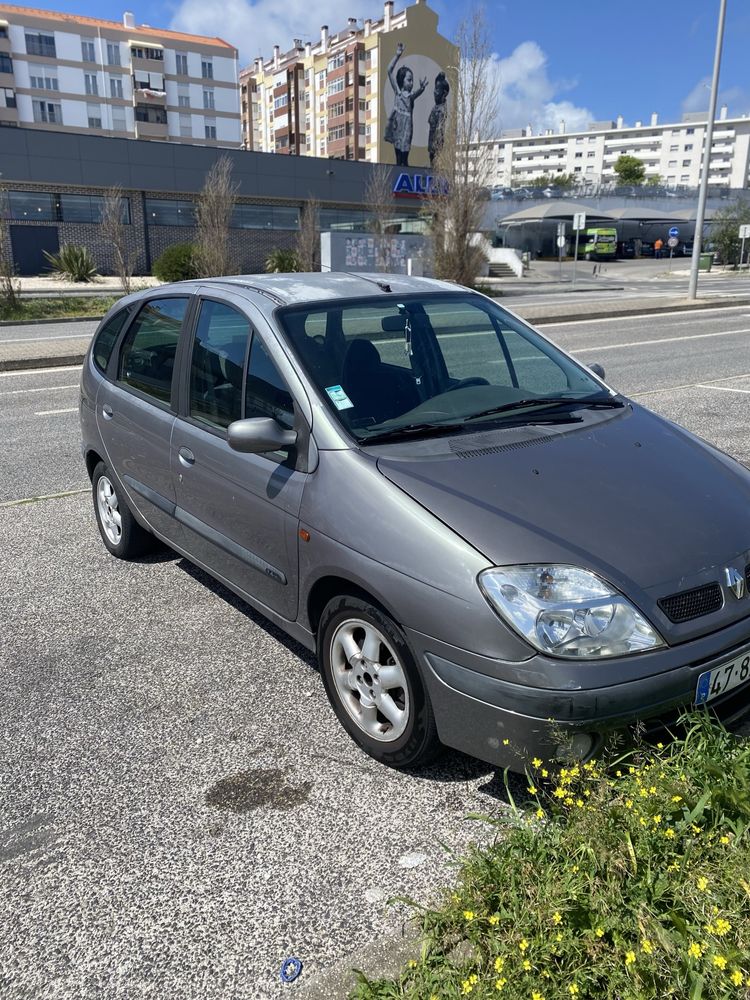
59, 361
46, 322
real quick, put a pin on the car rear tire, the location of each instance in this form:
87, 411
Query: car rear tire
120, 531
374, 685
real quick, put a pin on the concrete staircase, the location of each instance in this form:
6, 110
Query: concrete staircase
498, 269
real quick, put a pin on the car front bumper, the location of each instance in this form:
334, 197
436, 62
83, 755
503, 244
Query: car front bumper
507, 722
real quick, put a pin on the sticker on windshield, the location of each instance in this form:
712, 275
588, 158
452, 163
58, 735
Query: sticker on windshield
339, 398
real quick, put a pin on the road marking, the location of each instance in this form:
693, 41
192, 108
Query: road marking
41, 371
39, 340
47, 496
660, 340
720, 388
45, 388
49, 413
689, 385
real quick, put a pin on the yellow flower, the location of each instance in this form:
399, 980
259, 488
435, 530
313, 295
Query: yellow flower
677, 798
657, 819
720, 962
523, 945
500, 985
545, 772
506, 742
536, 762
647, 946
694, 950
724, 840
412, 964
540, 813
573, 990
628, 803
556, 917
569, 801
722, 927
669, 833
558, 936
579, 803
599, 932
499, 964
560, 793
652, 790
531, 790
468, 914
642, 821
659, 746
494, 919
630, 958
575, 868
702, 883
526, 965
710, 929
631, 769
643, 793
694, 828
737, 978
618, 773
536, 996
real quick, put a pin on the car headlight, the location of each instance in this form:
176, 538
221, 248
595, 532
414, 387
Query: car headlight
567, 611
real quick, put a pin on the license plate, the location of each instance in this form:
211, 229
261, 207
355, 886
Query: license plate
721, 679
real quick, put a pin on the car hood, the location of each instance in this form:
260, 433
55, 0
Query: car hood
636, 499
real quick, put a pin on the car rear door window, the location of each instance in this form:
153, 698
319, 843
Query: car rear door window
148, 351
217, 364
107, 337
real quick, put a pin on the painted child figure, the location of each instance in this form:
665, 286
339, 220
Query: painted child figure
400, 126
438, 116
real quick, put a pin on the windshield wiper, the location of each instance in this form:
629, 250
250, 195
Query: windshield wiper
409, 430
602, 402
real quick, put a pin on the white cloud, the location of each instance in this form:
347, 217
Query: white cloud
737, 99
528, 96
255, 26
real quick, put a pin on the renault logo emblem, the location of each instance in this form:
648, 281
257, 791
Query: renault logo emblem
735, 581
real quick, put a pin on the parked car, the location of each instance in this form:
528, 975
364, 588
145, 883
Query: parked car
647, 249
686, 248
626, 249
486, 545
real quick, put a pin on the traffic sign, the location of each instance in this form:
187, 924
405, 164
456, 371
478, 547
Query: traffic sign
672, 242
674, 231
744, 232
561, 241
579, 220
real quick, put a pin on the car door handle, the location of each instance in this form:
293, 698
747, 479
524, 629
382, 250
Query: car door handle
107, 411
186, 456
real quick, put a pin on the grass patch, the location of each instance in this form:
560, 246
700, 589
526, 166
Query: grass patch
630, 880
59, 308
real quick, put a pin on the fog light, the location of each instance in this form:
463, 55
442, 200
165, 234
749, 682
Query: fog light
577, 747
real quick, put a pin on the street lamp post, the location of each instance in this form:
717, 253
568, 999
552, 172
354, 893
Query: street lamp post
693, 286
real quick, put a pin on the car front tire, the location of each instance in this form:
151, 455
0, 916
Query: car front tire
374, 685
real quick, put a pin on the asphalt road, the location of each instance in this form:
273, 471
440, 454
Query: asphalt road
179, 809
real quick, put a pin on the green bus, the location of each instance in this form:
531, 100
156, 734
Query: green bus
597, 244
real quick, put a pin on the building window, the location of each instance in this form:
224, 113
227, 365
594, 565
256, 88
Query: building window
113, 53
29, 205
43, 77
148, 81
336, 110
119, 120
590, 155
183, 97
362, 106
688, 147
8, 97
94, 115
336, 86
278, 102
686, 163
3, 30
689, 131
208, 99
46, 111
186, 127
210, 128
164, 212
337, 132
207, 69
90, 83
142, 52
88, 53
579, 156
673, 149
39, 44
6, 63
684, 179
672, 163
150, 115
336, 62
182, 67
115, 87
86, 208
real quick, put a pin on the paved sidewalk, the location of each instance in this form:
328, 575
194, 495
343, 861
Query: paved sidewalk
33, 346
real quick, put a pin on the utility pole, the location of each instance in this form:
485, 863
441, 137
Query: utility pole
698, 239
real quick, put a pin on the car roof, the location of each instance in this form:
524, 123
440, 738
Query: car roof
298, 288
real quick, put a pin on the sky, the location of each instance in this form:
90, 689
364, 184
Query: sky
577, 60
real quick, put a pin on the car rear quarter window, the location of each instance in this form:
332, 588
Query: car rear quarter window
106, 338
149, 348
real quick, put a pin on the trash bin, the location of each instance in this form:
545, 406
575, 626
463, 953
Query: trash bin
705, 261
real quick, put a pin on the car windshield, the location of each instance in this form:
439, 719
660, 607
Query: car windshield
410, 365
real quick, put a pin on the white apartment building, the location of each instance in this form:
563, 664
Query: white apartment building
671, 153
68, 73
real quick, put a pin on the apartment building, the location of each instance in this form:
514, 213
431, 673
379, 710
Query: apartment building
333, 97
671, 153
68, 73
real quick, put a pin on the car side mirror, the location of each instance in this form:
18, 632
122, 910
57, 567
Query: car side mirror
258, 434
597, 370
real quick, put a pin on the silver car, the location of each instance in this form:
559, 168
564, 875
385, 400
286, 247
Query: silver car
487, 546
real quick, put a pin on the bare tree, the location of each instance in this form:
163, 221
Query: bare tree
379, 203
9, 299
213, 214
461, 167
114, 232
307, 243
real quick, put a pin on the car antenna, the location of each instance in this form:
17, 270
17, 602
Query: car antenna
382, 285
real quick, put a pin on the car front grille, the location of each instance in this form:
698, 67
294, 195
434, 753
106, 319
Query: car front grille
693, 603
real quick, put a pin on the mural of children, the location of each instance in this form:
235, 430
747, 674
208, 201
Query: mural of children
438, 116
400, 126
